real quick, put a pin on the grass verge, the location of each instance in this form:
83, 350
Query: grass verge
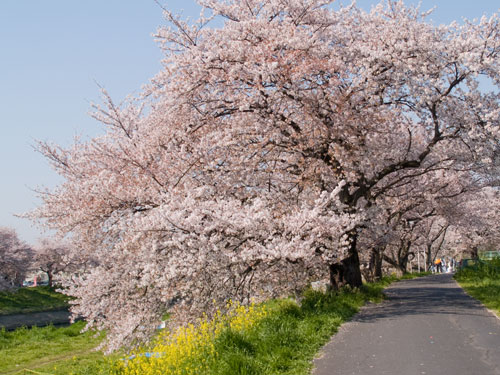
26, 300
483, 283
51, 350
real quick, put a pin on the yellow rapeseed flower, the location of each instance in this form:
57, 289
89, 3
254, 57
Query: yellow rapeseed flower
190, 350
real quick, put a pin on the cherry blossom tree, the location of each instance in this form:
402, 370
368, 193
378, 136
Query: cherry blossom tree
15, 259
433, 238
54, 256
259, 155
411, 216
476, 221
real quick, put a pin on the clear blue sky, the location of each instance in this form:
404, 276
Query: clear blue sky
52, 53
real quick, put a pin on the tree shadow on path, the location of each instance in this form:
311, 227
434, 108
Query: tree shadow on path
431, 295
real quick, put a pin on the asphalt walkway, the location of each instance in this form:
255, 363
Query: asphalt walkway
40, 319
427, 326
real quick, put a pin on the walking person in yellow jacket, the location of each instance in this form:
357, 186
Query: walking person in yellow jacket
439, 265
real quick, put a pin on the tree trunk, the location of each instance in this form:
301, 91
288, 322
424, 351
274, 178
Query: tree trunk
51, 278
429, 257
376, 263
401, 263
474, 253
400, 270
347, 271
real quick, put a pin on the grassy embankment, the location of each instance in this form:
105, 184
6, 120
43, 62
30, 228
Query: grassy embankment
26, 300
278, 337
482, 282
51, 350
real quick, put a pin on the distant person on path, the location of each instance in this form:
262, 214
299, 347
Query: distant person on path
439, 265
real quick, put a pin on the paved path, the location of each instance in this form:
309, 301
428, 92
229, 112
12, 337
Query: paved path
426, 326
10, 322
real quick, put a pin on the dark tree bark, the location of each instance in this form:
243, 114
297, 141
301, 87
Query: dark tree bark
400, 262
429, 258
474, 253
51, 278
347, 271
375, 266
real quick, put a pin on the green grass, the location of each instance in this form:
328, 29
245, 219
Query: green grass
51, 350
287, 341
409, 276
25, 300
483, 283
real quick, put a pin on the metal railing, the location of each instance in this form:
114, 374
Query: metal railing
475, 263
489, 255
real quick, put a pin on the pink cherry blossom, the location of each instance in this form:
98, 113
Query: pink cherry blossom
272, 151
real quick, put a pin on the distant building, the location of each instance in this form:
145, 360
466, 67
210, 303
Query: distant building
35, 278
